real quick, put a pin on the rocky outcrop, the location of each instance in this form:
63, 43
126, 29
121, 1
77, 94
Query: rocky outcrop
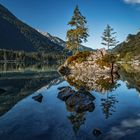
98, 62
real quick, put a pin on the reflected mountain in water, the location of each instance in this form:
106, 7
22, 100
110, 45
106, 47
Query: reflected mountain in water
15, 86
131, 76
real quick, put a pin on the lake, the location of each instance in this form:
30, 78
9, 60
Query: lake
31, 107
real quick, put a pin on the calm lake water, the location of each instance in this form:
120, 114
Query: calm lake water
31, 110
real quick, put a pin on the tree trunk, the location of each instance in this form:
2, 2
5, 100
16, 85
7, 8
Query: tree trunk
112, 68
77, 44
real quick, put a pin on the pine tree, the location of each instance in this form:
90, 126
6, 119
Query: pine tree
109, 38
108, 105
79, 32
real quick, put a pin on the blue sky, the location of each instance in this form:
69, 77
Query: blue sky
52, 16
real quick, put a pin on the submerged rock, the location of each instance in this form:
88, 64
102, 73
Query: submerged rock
80, 102
38, 98
60, 88
97, 132
65, 93
77, 101
2, 91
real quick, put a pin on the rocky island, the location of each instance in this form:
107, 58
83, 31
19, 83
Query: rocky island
91, 70
99, 62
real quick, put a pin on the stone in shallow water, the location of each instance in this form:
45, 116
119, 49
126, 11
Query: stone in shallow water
82, 90
97, 132
2, 90
80, 102
38, 98
65, 93
60, 88
77, 101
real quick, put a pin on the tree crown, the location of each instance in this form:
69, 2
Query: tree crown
109, 37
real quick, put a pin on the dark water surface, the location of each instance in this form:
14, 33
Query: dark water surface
31, 110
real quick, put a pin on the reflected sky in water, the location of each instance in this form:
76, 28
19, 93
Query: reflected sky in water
30, 119
116, 115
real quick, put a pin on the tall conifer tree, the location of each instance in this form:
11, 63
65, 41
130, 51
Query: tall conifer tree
79, 32
109, 37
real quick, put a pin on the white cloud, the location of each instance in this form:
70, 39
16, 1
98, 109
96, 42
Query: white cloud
127, 127
132, 1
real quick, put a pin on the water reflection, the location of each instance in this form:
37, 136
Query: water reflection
23, 67
88, 107
108, 105
78, 103
77, 119
20, 80
38, 98
131, 76
102, 83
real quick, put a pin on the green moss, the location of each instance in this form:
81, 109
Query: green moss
79, 57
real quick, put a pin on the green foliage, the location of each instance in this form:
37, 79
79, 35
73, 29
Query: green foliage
109, 38
130, 74
78, 34
130, 49
78, 57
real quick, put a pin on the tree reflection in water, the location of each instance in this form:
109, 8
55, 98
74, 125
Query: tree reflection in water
78, 103
108, 105
93, 82
77, 119
101, 83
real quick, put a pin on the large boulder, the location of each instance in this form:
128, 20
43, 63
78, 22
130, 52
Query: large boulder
77, 101
80, 102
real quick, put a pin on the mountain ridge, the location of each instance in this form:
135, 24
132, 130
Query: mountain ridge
18, 32
61, 42
19, 36
129, 49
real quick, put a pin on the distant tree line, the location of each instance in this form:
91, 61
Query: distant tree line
21, 56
